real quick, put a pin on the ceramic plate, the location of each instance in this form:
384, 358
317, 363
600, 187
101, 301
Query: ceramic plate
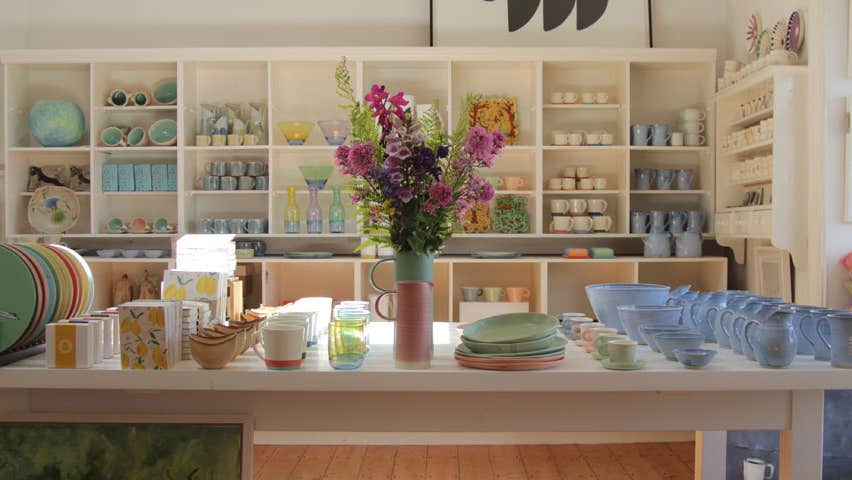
549, 342
795, 32
19, 298
42, 297
510, 366
779, 35
622, 366
53, 210
496, 255
511, 361
309, 254
51, 280
463, 350
511, 328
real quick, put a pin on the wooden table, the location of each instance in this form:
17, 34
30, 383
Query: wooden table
579, 396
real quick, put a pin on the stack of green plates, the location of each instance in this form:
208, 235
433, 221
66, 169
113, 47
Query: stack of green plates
516, 341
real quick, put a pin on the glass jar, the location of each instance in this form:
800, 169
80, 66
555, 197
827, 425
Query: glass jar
314, 214
347, 338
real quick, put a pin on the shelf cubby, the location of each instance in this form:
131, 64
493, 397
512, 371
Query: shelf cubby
566, 282
291, 280
107, 273
495, 273
303, 91
426, 81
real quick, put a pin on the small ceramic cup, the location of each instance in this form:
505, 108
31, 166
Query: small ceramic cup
518, 294
219, 140
602, 97
471, 294
202, 140
582, 172
557, 97
554, 184
228, 183
599, 183
622, 352
246, 183
256, 225
493, 294
569, 183
562, 224
282, 346
581, 329
140, 98
514, 183
236, 168
589, 97
571, 97
560, 138
261, 183
601, 342
677, 139
585, 184
569, 323
255, 169
593, 333
235, 140
118, 98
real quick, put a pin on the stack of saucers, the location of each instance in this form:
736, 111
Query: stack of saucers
515, 341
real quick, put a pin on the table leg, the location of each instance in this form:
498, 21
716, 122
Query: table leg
801, 444
710, 453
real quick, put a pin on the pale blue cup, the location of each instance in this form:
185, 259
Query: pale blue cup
660, 134
840, 344
644, 177
639, 222
695, 221
684, 178
808, 331
640, 135
677, 221
665, 177
659, 221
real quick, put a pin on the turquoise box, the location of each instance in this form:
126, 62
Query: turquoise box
126, 183
172, 173
160, 177
109, 177
142, 176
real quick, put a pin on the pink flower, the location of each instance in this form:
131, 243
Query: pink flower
441, 194
406, 195
359, 161
430, 208
847, 262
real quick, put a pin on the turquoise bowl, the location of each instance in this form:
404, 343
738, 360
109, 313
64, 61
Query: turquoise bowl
165, 92
163, 132
57, 123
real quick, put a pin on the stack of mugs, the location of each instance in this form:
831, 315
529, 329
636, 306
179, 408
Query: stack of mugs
235, 226
752, 169
691, 124
577, 178
587, 98
234, 175
690, 131
579, 215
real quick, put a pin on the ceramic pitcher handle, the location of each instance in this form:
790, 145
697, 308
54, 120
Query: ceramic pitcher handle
373, 272
692, 313
707, 318
745, 334
803, 332
820, 335
771, 471
727, 314
378, 310
256, 351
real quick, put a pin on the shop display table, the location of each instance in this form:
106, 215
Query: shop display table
579, 395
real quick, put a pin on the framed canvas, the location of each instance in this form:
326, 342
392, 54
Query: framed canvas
74, 445
557, 23
773, 273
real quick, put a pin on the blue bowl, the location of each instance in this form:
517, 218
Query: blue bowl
668, 342
634, 316
649, 330
694, 357
607, 297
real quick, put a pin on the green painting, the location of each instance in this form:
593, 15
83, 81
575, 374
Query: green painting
30, 451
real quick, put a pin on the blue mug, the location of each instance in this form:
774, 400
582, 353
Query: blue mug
640, 135
660, 134
644, 177
205, 225
840, 344
665, 177
221, 226
684, 178
695, 221
639, 222
659, 221
677, 221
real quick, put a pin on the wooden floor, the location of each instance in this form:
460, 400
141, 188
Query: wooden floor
636, 461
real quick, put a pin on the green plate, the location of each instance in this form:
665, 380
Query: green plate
622, 366
511, 328
551, 341
18, 298
548, 352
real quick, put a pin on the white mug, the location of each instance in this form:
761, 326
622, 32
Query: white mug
602, 223
589, 97
585, 184
597, 205
570, 172
600, 183
693, 115
575, 138
582, 224
756, 469
577, 206
569, 183
559, 206
554, 184
562, 224
571, 97
557, 97
607, 138
692, 127
282, 345
694, 139
582, 172
593, 139
602, 97
677, 139
560, 138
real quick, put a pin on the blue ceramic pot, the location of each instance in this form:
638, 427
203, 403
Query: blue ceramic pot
773, 338
840, 344
804, 324
761, 315
607, 297
726, 317
700, 313
634, 316
748, 312
687, 318
57, 123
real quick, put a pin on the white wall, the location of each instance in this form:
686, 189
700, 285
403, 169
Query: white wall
691, 24
770, 11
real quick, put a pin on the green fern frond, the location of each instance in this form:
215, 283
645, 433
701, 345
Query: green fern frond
433, 127
463, 123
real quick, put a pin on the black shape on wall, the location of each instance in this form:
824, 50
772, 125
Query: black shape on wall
588, 12
521, 12
556, 12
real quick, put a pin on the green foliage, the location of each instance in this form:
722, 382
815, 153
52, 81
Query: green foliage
364, 128
433, 127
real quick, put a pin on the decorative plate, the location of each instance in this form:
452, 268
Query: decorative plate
779, 35
511, 327
19, 299
497, 113
764, 43
607, 364
516, 349
753, 29
795, 32
544, 352
498, 255
53, 210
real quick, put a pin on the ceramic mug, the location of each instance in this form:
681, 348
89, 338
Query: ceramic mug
562, 224
221, 225
582, 172
228, 183
597, 206
554, 184
601, 342
640, 134
664, 177
560, 138
514, 183
496, 182
236, 168
599, 183
250, 139
235, 140
575, 139
217, 168
493, 294
255, 169
677, 139
693, 115
757, 469
602, 223
639, 222
569, 172
694, 140
660, 134
606, 138
571, 97
208, 182
256, 225
593, 139
622, 351
246, 183
643, 178
692, 127
582, 224
840, 343
578, 206
684, 178
557, 97
471, 294
569, 323
592, 334
569, 183
559, 206
205, 225
261, 183
589, 97
602, 97
282, 346
660, 221
237, 226
580, 330
518, 294
585, 184
219, 140
202, 140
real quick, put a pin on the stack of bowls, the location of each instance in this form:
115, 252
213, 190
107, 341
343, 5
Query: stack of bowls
607, 297
634, 316
215, 347
516, 341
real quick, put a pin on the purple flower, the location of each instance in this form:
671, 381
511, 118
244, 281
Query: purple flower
406, 195
430, 208
441, 193
357, 159
443, 151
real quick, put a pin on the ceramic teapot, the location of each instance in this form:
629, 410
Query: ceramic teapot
688, 244
773, 338
658, 245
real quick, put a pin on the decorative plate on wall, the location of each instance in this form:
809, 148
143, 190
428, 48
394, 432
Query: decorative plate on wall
497, 113
753, 29
779, 35
795, 32
53, 210
764, 43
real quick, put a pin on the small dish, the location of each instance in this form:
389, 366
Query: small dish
138, 225
108, 253
161, 224
131, 253
668, 342
163, 132
153, 253
694, 357
637, 365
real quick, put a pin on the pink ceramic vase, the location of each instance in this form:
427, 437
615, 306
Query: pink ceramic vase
413, 332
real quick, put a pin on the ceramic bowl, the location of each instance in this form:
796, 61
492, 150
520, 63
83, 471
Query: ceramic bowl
165, 92
668, 342
213, 353
607, 297
112, 136
649, 330
131, 253
137, 137
694, 357
154, 253
634, 316
296, 132
108, 253
243, 339
163, 132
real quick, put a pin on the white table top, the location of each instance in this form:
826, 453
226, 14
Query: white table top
577, 373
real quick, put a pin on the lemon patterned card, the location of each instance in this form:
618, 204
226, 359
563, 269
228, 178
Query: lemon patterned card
150, 334
199, 286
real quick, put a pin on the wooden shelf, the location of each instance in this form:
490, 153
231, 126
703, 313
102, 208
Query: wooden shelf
139, 194
581, 106
753, 118
754, 208
753, 148
701, 149
307, 148
149, 148
514, 192
585, 148
226, 148
214, 193
79, 194
752, 181
134, 108
583, 192
82, 149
